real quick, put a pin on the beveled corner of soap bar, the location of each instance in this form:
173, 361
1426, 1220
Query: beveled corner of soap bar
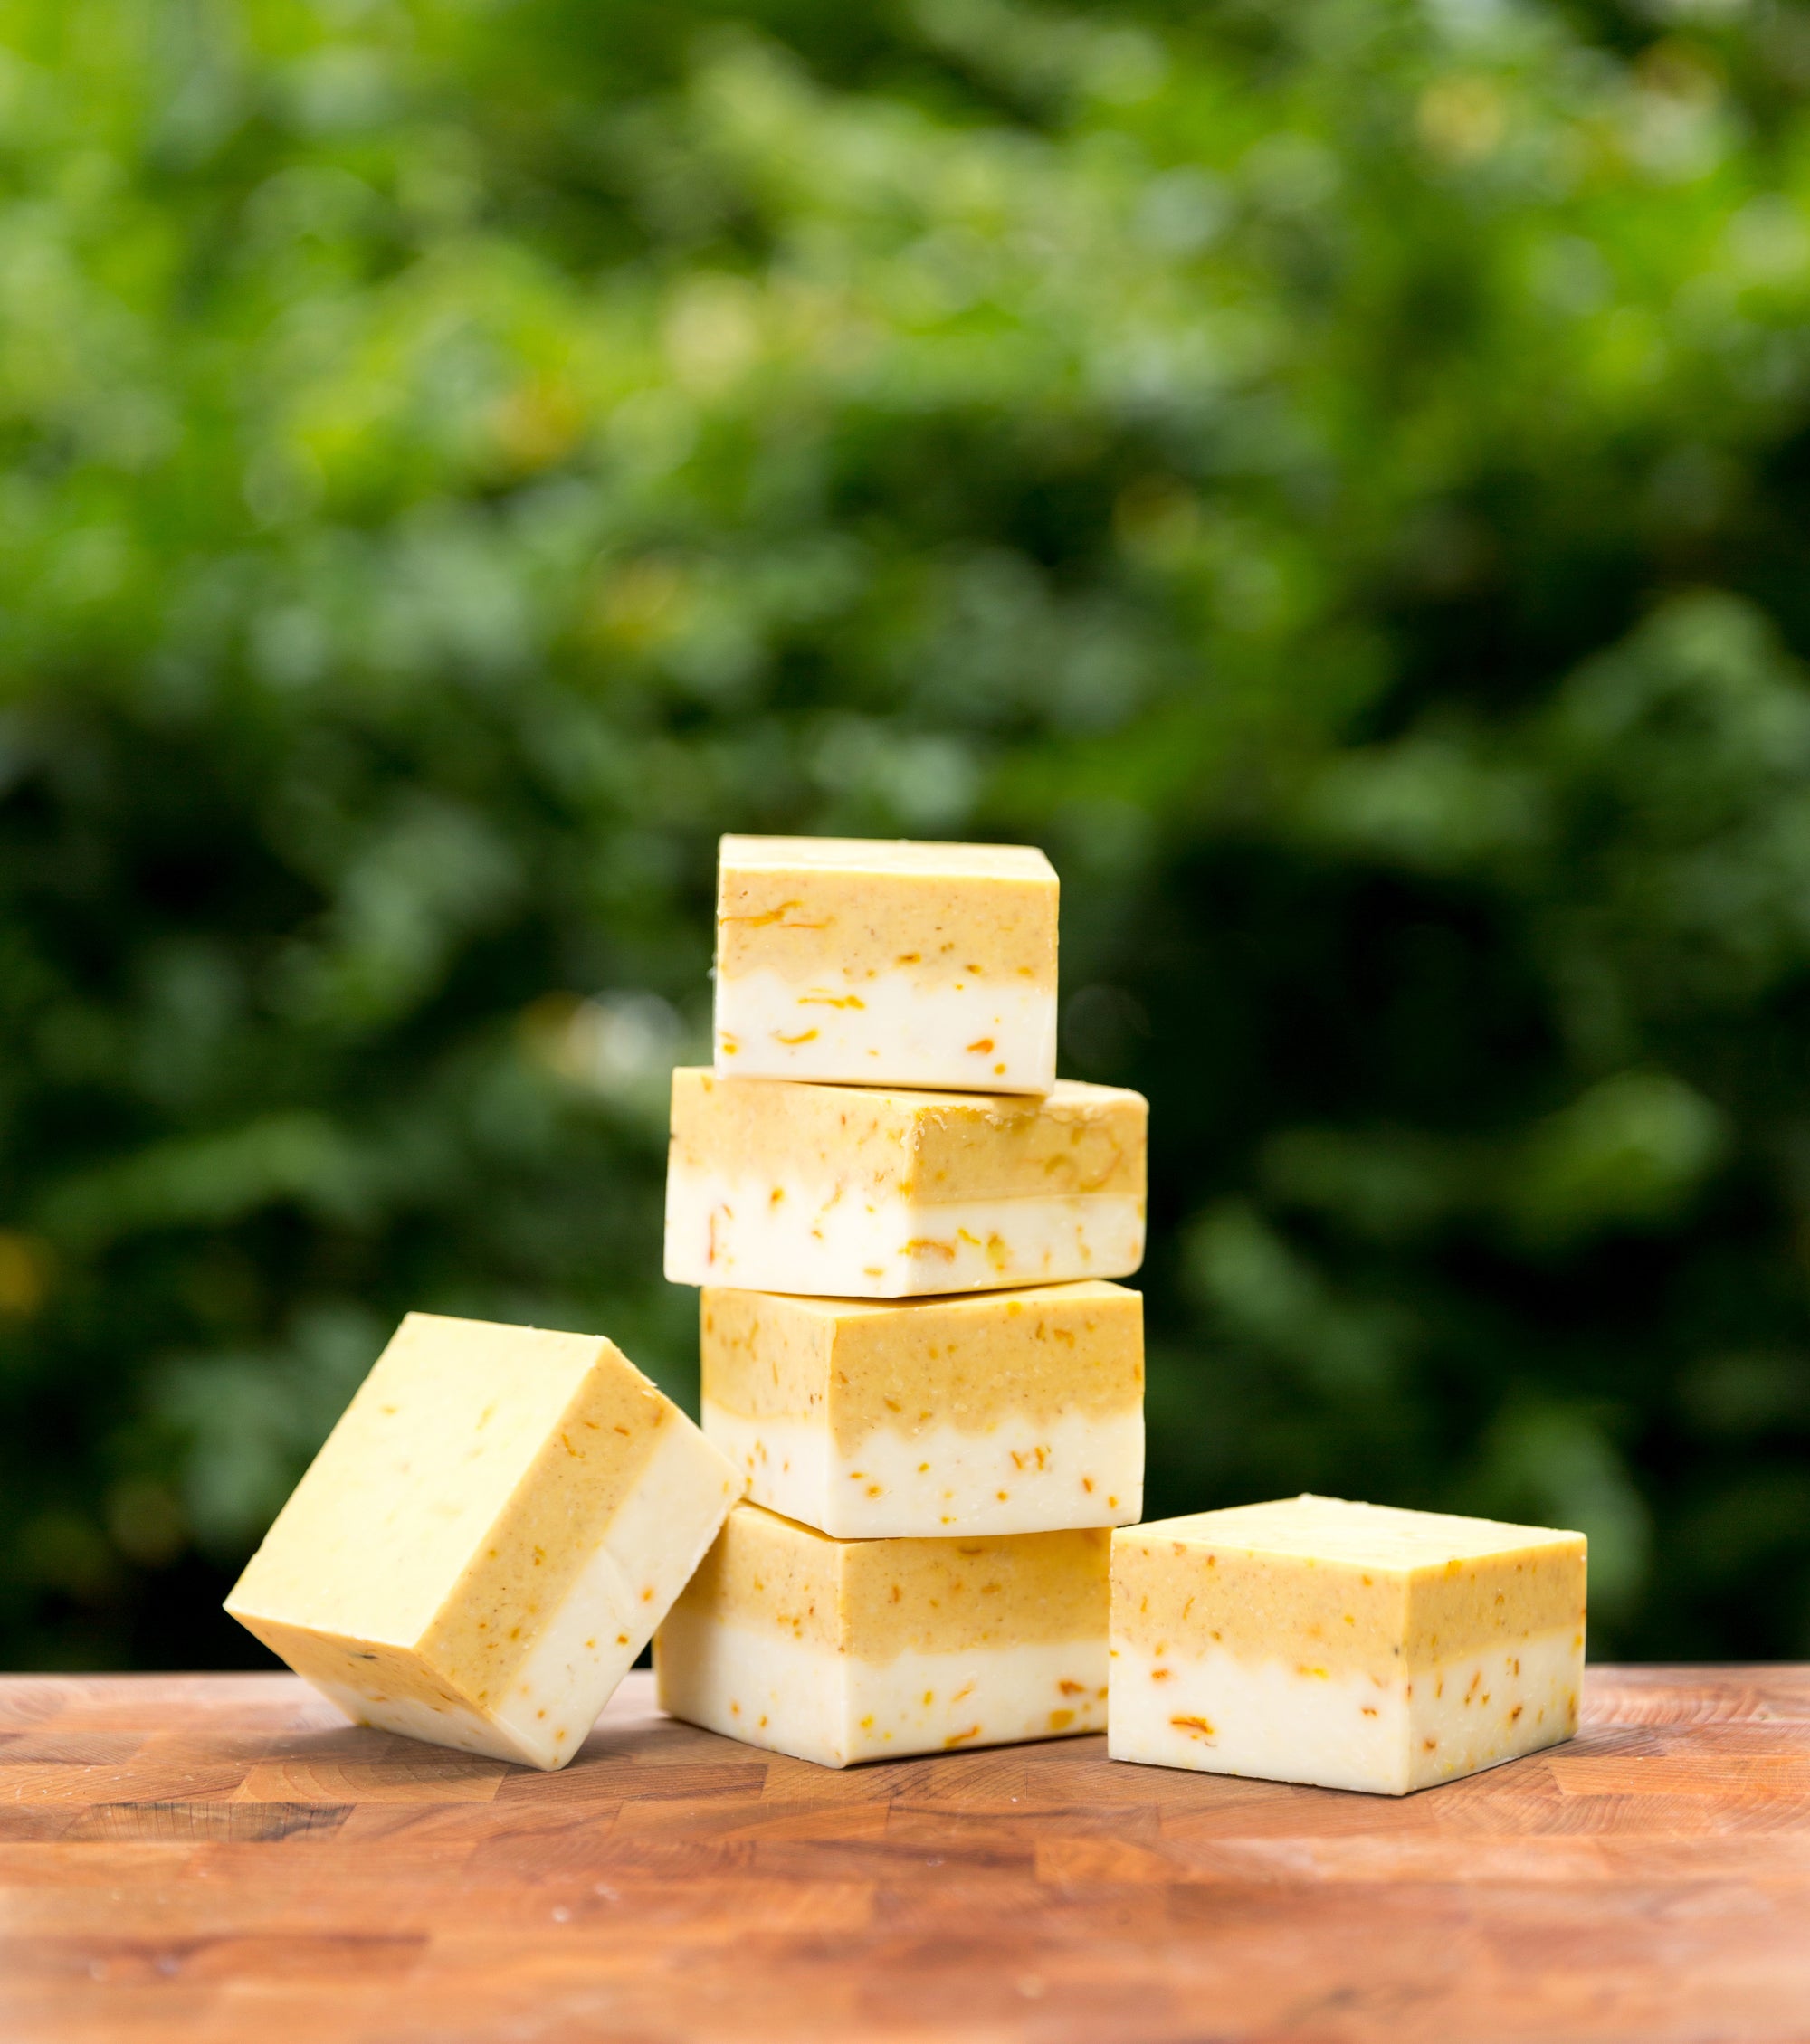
887, 963
862, 1192
488, 1538
1350, 1645
994, 1413
845, 1650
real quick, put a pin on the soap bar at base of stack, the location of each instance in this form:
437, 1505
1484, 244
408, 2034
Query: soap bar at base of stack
885, 963
487, 1538
1349, 1645
1016, 1412
858, 1192
839, 1651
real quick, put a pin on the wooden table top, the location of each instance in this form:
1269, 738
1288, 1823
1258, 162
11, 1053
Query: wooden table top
208, 1857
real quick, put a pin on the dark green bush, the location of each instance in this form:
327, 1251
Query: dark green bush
1333, 474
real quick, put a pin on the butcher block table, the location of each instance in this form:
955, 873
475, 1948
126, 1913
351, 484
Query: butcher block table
219, 1857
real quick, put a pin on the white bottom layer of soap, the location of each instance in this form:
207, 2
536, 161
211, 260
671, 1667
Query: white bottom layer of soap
805, 1699
1222, 1715
982, 1037
649, 1552
818, 1239
1020, 1476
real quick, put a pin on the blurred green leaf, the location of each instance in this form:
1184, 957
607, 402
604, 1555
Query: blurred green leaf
1335, 478
1632, 1151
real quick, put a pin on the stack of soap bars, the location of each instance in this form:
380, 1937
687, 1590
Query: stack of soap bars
902, 1223
916, 1369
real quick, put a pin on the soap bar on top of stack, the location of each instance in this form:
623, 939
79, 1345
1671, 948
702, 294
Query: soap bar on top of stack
1354, 1645
487, 1538
898, 964
843, 1651
907, 1338
860, 1192
1010, 1412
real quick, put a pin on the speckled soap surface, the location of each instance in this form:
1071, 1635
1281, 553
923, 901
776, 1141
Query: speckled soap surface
1013, 1412
887, 962
841, 1651
1351, 1645
488, 1538
889, 1192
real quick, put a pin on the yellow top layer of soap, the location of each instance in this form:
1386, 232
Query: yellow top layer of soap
937, 1148
858, 1365
875, 1599
855, 909
1332, 1585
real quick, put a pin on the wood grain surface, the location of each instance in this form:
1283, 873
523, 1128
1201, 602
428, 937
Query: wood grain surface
219, 1857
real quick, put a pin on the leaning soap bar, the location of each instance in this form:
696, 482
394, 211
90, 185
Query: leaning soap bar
887, 963
487, 1538
839, 1650
856, 1192
1350, 1645
1016, 1412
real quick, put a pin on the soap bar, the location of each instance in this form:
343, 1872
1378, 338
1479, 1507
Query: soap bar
839, 1650
1014, 1411
1354, 1645
487, 1538
856, 1192
887, 963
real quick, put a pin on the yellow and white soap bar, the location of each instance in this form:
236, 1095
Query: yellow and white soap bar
1015, 1412
487, 1538
1354, 1646
887, 963
857, 1192
841, 1651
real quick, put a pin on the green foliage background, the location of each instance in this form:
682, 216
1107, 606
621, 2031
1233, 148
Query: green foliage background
1336, 474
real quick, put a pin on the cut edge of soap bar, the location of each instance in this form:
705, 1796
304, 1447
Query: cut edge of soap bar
839, 1651
1350, 1646
1220, 1713
897, 1191
514, 1653
998, 1412
854, 963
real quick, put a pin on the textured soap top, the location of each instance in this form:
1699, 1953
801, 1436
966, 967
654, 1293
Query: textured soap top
890, 856
1337, 1529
